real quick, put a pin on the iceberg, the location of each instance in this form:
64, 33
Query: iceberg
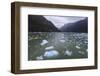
62, 41
44, 42
39, 58
67, 52
77, 47
50, 47
51, 53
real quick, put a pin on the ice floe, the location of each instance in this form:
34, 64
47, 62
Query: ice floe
39, 58
30, 38
77, 47
62, 41
62, 36
86, 42
50, 47
44, 42
51, 53
81, 52
67, 52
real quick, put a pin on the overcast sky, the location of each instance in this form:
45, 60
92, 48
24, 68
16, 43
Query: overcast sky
59, 21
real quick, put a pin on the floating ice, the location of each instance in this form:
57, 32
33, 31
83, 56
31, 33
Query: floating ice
86, 42
39, 58
81, 52
44, 42
62, 41
30, 38
67, 52
62, 36
77, 47
51, 53
50, 47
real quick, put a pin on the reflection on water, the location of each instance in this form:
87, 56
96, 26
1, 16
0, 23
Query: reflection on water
57, 45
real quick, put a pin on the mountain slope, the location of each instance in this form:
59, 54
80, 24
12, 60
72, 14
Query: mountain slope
79, 26
37, 23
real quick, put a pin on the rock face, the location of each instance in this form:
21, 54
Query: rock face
80, 26
37, 23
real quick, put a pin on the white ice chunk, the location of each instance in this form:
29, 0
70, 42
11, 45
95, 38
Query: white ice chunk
81, 52
62, 41
50, 47
67, 52
39, 58
51, 53
77, 47
44, 42
86, 42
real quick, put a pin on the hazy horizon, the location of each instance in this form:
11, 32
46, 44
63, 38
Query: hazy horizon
59, 21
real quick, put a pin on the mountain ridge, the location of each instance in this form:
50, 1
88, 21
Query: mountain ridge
79, 26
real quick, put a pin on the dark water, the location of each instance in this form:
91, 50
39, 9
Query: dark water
57, 45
